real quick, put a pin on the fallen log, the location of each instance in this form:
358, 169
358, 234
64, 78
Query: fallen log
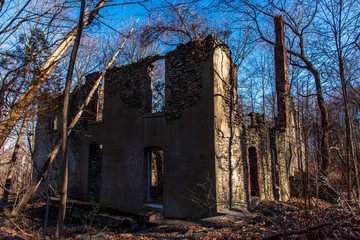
299, 231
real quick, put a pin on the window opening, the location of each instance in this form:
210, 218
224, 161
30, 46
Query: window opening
247, 120
94, 172
158, 86
254, 172
94, 107
53, 123
155, 175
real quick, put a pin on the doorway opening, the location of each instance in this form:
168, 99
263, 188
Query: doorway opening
275, 174
94, 172
254, 172
155, 175
276, 167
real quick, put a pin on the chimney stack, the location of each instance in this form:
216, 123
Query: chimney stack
281, 73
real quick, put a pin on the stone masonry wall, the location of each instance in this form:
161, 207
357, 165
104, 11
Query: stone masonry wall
283, 153
259, 137
200, 102
229, 167
74, 141
230, 174
183, 73
133, 90
184, 131
295, 141
288, 141
290, 151
46, 136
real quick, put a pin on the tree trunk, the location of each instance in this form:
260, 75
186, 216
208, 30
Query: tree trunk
2, 101
65, 112
31, 190
24, 101
1, 4
324, 142
350, 156
14, 157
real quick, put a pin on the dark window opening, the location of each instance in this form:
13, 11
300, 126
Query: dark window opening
94, 172
247, 120
155, 175
94, 107
254, 172
276, 166
53, 123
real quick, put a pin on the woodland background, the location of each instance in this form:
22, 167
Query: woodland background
37, 55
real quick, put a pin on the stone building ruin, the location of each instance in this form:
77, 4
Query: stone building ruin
189, 158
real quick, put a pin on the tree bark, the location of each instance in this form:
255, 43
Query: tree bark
324, 143
65, 113
24, 101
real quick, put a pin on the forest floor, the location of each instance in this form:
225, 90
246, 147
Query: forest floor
268, 220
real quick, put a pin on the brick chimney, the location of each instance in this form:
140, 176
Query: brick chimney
253, 119
281, 73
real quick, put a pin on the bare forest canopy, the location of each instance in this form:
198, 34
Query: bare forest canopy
322, 39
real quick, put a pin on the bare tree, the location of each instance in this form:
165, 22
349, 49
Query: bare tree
65, 111
342, 20
15, 155
24, 100
31, 190
175, 23
298, 25
1, 4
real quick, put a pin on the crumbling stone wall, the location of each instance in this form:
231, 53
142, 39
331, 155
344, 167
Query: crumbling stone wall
47, 133
231, 190
281, 144
283, 153
183, 71
288, 139
296, 142
290, 151
100, 92
45, 141
184, 131
46, 138
135, 92
80, 129
258, 136
204, 139
229, 167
